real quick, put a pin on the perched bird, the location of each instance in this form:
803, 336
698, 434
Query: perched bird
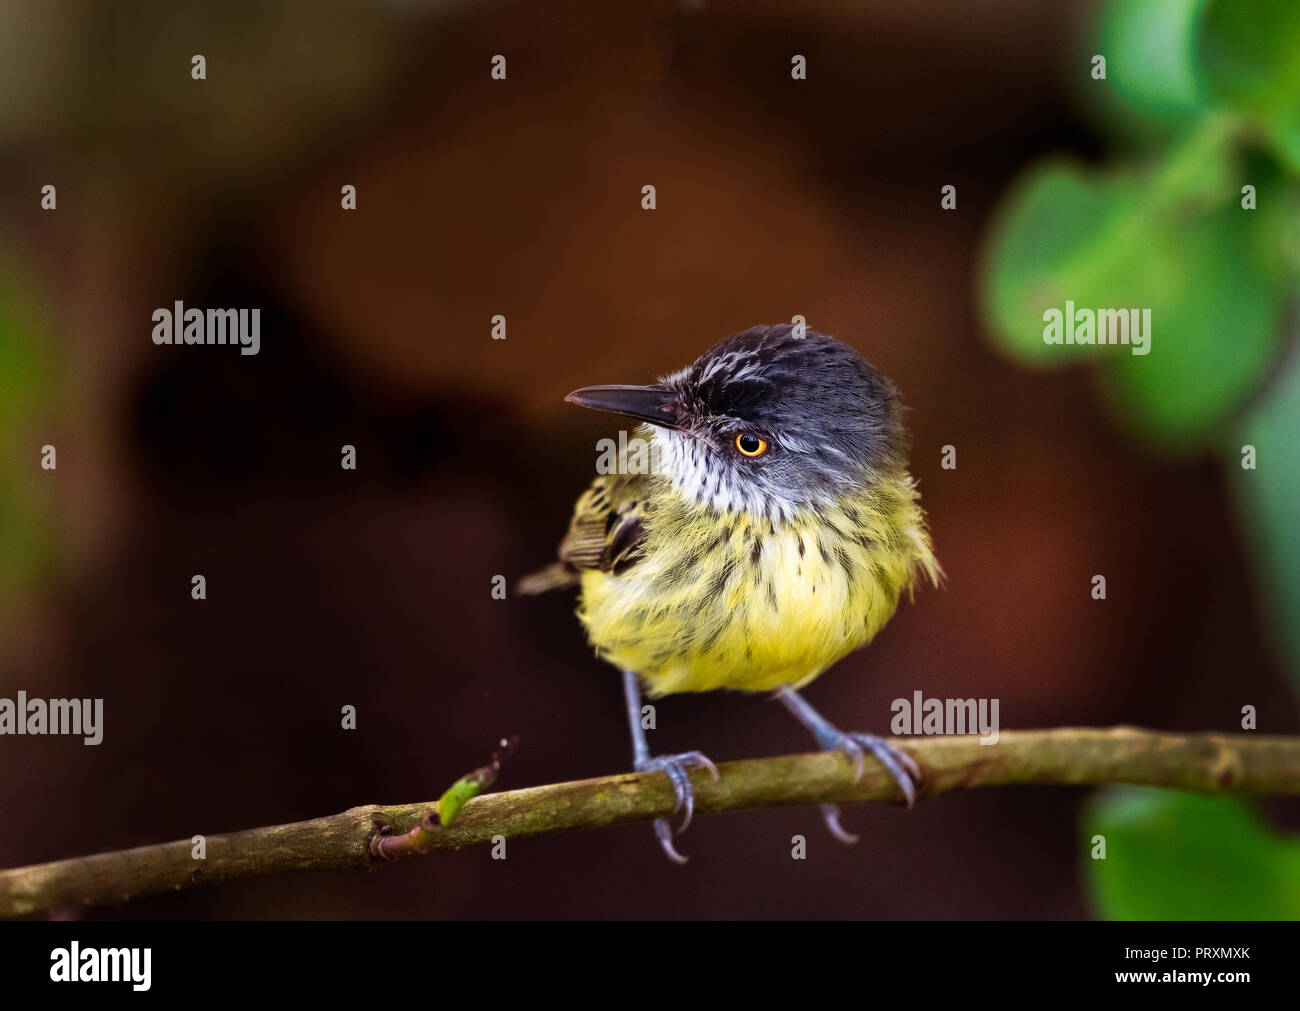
772, 533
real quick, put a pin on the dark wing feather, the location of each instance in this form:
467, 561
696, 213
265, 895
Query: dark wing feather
606, 533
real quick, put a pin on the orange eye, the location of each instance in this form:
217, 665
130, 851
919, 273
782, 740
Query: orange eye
750, 445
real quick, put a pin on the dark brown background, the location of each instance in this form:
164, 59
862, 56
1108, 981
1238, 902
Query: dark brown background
522, 197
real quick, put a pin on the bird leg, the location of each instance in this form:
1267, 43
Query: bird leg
905, 772
674, 766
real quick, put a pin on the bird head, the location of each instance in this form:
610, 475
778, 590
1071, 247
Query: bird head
768, 421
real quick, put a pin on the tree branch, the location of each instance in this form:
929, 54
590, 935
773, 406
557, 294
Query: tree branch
370, 837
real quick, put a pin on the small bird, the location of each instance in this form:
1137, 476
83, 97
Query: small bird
772, 532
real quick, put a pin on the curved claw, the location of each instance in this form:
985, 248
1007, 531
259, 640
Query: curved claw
907, 761
900, 765
907, 774
664, 832
831, 815
681, 787
674, 766
700, 758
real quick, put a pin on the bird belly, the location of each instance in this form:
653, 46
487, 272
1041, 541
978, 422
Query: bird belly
743, 605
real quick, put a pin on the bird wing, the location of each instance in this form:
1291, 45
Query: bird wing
606, 533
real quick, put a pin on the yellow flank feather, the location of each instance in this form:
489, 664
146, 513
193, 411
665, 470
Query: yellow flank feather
728, 600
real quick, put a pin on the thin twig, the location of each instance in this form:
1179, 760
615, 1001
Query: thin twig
1245, 763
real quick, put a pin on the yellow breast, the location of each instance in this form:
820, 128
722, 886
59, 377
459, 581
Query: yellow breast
725, 600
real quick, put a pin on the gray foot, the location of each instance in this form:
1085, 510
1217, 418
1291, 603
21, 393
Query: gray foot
675, 767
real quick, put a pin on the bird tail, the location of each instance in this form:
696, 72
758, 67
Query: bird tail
556, 576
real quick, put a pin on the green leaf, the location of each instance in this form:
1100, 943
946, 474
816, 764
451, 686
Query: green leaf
473, 783
1269, 498
1174, 240
1057, 237
1216, 309
1181, 856
1250, 52
1154, 86
457, 796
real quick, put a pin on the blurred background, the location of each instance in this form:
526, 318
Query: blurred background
522, 197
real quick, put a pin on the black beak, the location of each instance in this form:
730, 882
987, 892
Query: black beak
656, 405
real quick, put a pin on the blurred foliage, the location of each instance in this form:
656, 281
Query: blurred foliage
279, 77
1181, 856
1207, 95
1268, 500
1157, 86
1169, 233
1153, 241
1251, 55
26, 388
